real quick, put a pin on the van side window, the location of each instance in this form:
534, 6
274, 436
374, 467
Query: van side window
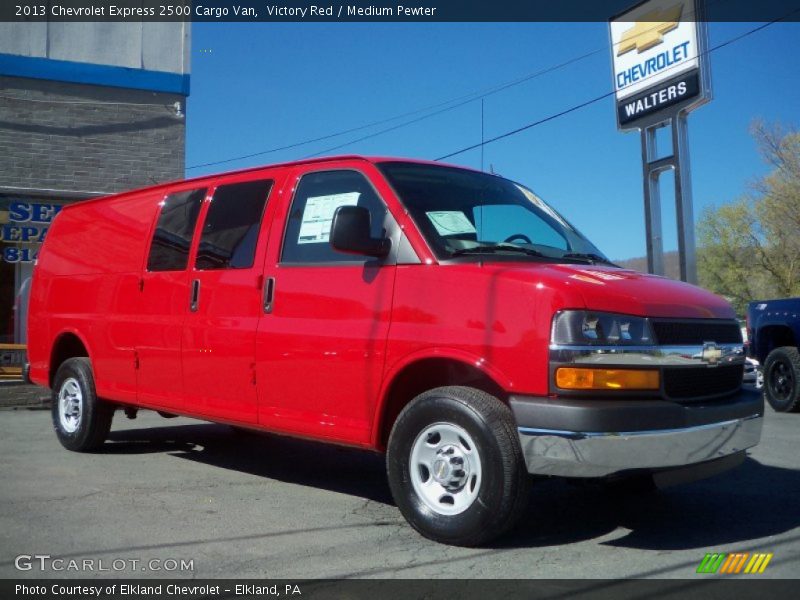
169, 250
232, 224
316, 198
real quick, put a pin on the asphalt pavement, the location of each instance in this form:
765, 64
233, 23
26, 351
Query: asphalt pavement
17, 395
234, 505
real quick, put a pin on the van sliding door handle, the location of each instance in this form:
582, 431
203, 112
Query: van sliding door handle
269, 293
195, 300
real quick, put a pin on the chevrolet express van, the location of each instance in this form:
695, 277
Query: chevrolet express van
447, 317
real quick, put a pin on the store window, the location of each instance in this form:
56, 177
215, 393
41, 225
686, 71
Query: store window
24, 222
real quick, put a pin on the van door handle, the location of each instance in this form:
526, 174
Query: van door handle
269, 293
195, 300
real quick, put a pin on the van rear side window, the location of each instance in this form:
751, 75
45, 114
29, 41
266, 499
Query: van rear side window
169, 250
232, 224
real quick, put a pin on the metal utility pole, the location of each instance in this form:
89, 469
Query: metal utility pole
653, 168
658, 50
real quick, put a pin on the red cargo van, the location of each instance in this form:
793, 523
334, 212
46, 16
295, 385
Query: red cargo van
447, 317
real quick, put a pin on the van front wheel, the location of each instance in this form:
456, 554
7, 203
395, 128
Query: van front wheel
81, 420
455, 466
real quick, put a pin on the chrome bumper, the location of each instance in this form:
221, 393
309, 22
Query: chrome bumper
596, 454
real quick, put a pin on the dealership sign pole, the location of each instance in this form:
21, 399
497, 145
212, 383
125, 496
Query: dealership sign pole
658, 50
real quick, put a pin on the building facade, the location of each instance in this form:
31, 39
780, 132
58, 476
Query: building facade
86, 109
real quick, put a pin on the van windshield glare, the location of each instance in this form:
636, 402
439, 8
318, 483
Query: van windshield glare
468, 213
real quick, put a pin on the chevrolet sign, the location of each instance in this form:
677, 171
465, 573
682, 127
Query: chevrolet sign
657, 57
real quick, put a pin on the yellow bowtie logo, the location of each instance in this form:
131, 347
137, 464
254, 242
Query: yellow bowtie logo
650, 30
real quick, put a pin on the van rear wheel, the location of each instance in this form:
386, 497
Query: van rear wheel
81, 420
455, 466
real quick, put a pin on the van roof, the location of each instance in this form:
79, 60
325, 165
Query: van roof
202, 178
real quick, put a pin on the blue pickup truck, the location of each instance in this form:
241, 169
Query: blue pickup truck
773, 332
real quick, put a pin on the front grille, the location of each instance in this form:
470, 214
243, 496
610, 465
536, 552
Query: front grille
672, 333
701, 382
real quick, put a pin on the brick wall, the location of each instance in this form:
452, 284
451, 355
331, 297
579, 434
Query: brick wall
93, 147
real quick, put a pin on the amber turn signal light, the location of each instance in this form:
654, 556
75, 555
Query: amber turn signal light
571, 378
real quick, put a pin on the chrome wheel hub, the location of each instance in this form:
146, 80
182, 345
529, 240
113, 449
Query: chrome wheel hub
445, 468
70, 405
450, 469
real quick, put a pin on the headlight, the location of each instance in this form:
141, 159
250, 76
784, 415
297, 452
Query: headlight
582, 328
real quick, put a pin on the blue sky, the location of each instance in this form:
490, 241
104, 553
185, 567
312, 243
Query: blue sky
263, 85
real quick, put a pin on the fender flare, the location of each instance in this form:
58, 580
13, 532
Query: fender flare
56, 338
455, 354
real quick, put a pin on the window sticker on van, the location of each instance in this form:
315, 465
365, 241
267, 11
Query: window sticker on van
450, 222
318, 216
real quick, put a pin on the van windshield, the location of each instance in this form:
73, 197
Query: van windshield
462, 213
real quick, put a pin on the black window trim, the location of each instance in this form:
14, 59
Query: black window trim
406, 211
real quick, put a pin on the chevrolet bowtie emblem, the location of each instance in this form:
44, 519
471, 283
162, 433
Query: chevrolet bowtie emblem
711, 353
650, 30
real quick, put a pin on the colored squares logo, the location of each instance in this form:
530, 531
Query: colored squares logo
735, 563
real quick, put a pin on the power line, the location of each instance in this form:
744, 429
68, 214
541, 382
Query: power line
528, 126
444, 106
460, 101
480, 95
387, 130
606, 95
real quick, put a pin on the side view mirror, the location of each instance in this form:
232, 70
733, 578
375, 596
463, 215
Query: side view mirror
350, 232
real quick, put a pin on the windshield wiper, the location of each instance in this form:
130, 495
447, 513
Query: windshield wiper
590, 257
495, 248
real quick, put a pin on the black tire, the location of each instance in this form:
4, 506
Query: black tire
502, 494
89, 429
782, 379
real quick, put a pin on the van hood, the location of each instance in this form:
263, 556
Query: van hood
611, 289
